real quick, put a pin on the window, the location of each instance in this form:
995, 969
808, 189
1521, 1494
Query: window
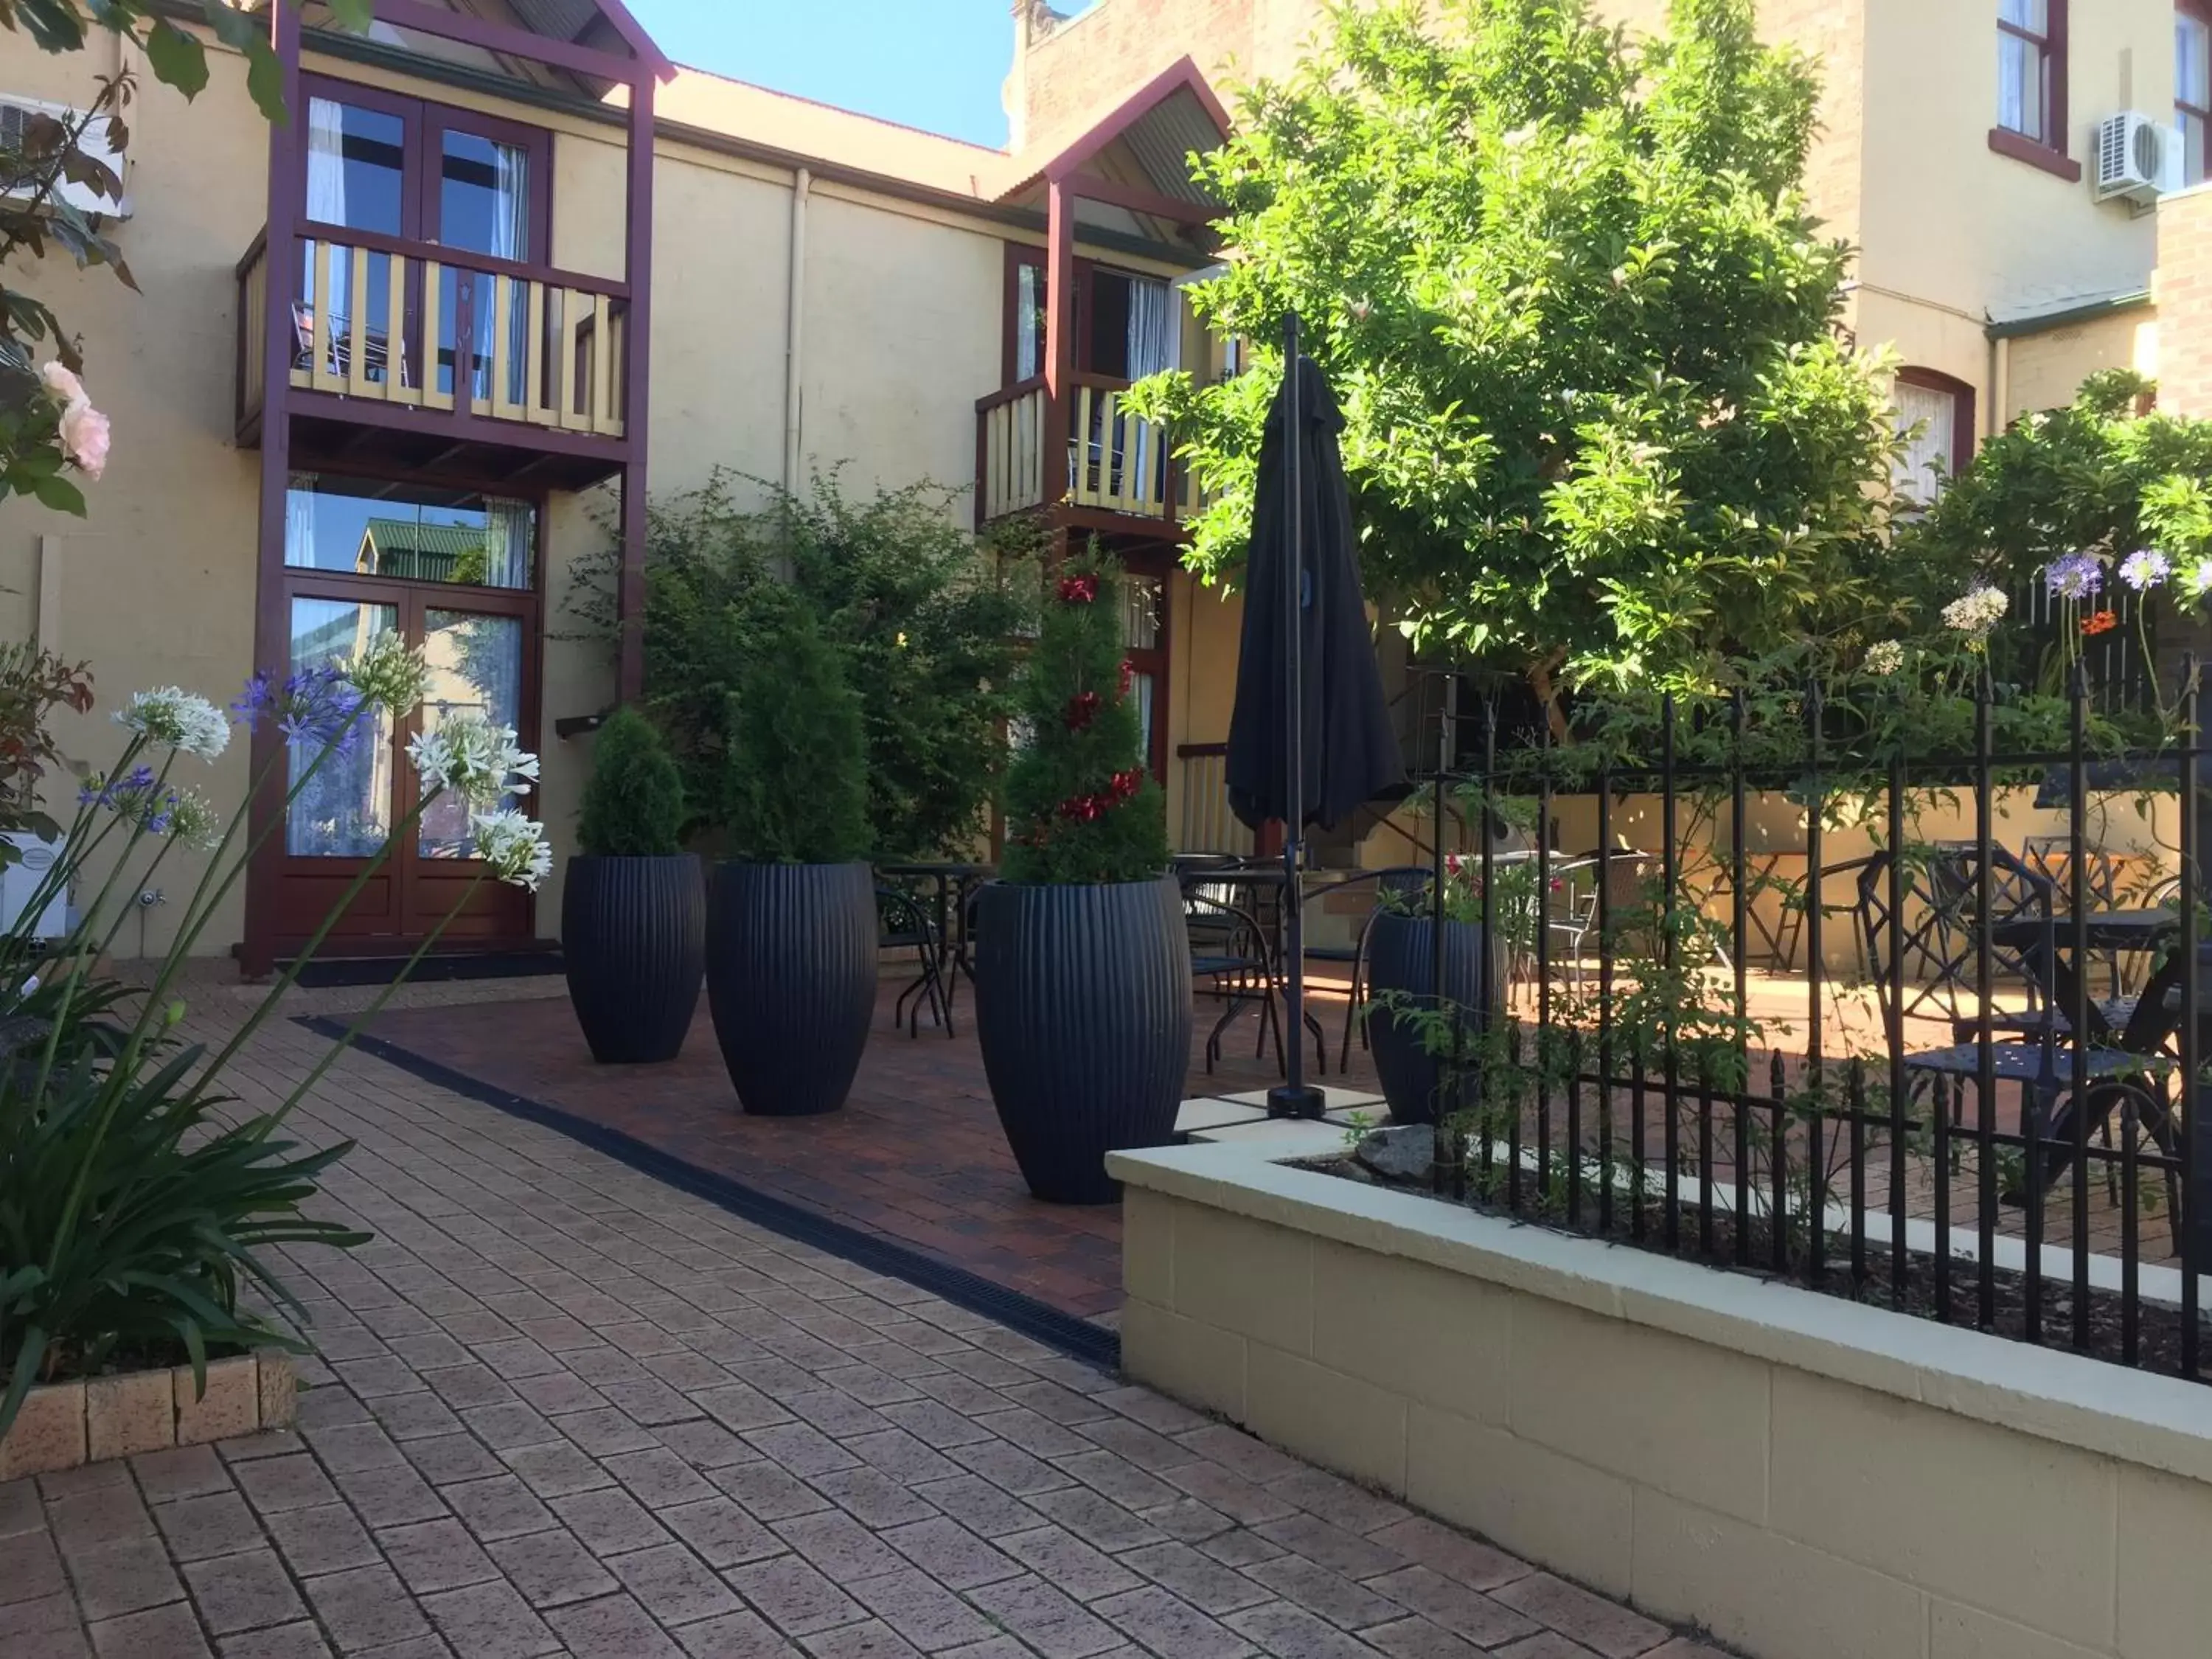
2024, 68
408, 533
2032, 85
2192, 87
1934, 416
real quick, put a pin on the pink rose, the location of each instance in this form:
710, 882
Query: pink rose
84, 437
63, 388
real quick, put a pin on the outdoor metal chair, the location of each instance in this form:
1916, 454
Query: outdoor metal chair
903, 924
2052, 857
1572, 910
2039, 1059
1403, 880
1942, 923
1231, 949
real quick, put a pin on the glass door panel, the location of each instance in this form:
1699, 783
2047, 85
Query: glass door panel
476, 671
343, 809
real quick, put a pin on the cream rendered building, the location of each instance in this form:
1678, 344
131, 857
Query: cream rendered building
476, 214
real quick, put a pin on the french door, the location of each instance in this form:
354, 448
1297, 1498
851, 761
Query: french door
457, 581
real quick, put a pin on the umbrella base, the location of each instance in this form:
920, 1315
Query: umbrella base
1285, 1101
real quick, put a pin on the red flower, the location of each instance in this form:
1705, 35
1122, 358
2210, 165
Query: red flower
2100, 621
1128, 674
1082, 709
1078, 590
1126, 784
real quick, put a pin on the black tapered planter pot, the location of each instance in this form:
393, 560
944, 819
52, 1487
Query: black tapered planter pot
634, 945
1401, 958
1083, 1013
791, 981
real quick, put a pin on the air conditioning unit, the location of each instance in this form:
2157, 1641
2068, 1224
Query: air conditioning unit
2137, 159
19, 885
16, 114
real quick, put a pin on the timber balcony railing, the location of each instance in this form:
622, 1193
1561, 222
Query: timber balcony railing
1117, 461
440, 330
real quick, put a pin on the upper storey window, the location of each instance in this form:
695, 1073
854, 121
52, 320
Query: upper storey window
2192, 87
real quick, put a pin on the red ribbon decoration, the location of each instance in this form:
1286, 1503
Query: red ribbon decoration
1078, 590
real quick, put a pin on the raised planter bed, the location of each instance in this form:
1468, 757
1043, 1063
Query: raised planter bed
1800, 1474
63, 1425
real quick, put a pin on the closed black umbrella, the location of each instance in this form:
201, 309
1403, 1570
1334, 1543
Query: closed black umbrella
1309, 737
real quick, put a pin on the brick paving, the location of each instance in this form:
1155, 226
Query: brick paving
564, 1409
916, 1156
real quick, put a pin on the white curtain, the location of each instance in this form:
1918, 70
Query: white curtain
1155, 343
510, 240
509, 530
299, 521
1927, 418
326, 201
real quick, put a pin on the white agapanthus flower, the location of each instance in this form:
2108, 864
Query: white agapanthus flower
1885, 656
390, 672
1977, 611
2199, 578
514, 847
170, 715
473, 759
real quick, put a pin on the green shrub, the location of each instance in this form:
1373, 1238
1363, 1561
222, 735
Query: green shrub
1081, 806
932, 624
795, 776
634, 804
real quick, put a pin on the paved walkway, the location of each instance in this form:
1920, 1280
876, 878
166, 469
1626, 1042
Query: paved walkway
566, 1410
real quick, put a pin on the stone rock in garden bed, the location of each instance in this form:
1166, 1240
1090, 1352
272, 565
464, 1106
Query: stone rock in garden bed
63, 1425
1401, 1153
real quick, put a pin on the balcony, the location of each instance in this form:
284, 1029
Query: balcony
412, 354
1120, 473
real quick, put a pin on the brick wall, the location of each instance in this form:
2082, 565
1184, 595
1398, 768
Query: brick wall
2185, 302
1064, 72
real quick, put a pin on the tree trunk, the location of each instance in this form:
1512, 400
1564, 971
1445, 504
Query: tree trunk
1548, 694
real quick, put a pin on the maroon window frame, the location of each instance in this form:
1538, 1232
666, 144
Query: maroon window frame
2200, 12
426, 126
2046, 150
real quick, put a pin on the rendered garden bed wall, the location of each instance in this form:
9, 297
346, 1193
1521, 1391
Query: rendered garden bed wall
1804, 1477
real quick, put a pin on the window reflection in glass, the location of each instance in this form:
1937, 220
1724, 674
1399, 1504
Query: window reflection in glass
1140, 612
476, 672
465, 540
343, 809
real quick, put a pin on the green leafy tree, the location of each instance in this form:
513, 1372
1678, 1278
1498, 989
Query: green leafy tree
634, 802
48, 429
795, 782
1080, 804
1601, 427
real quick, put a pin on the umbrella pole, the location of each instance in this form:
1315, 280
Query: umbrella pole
1295, 1098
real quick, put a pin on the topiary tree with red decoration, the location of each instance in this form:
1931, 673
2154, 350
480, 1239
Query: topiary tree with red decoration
1080, 804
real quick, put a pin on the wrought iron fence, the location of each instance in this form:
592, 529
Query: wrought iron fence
1910, 1060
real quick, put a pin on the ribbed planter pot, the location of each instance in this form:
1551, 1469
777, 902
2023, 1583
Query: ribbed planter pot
1401, 958
633, 945
791, 981
1083, 1012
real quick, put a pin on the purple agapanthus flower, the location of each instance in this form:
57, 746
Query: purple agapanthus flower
259, 698
106, 792
2076, 576
313, 707
2145, 568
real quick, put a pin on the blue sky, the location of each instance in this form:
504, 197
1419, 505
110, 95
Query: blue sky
936, 64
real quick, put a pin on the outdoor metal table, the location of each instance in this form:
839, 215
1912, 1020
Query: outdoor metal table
950, 881
2049, 946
